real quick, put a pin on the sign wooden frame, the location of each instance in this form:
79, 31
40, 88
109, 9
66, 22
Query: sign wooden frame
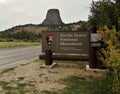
66, 42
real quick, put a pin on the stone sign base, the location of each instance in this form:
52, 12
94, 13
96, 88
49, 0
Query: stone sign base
91, 69
48, 66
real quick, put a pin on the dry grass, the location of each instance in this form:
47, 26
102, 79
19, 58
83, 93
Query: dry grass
17, 44
32, 79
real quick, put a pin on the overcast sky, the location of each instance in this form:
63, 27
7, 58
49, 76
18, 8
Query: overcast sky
20, 12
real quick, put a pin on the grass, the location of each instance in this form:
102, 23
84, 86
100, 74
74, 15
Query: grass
17, 44
21, 78
74, 84
8, 70
19, 88
80, 85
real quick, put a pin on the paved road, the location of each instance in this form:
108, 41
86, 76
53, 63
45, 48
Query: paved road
8, 56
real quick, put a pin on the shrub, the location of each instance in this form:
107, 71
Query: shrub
110, 55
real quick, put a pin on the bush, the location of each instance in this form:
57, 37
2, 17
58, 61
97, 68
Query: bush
110, 55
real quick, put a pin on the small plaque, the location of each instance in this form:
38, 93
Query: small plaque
95, 40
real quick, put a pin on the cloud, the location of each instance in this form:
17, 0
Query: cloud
4, 1
15, 12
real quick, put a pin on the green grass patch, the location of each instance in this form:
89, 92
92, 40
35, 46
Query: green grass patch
17, 44
15, 87
5, 86
80, 85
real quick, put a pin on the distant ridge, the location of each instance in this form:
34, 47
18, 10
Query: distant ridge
38, 28
52, 22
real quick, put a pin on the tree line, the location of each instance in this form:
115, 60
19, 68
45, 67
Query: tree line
20, 36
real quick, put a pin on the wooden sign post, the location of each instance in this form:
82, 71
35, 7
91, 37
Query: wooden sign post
92, 51
48, 57
95, 45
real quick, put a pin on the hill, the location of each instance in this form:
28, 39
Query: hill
31, 32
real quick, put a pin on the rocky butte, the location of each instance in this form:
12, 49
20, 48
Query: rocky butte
53, 18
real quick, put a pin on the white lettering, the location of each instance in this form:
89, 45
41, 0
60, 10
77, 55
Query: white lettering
68, 39
70, 44
80, 35
66, 35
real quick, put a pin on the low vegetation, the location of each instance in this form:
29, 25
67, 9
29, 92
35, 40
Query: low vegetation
74, 84
110, 55
105, 15
20, 36
17, 44
14, 87
7, 70
81, 85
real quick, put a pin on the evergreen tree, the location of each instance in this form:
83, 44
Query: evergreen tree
105, 13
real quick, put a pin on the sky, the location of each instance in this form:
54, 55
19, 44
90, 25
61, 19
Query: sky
21, 12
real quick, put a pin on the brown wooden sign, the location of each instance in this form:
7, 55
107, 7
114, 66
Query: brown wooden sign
66, 42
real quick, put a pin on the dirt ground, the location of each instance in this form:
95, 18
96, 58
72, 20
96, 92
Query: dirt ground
45, 78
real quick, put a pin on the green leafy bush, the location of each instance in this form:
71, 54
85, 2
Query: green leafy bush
110, 55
